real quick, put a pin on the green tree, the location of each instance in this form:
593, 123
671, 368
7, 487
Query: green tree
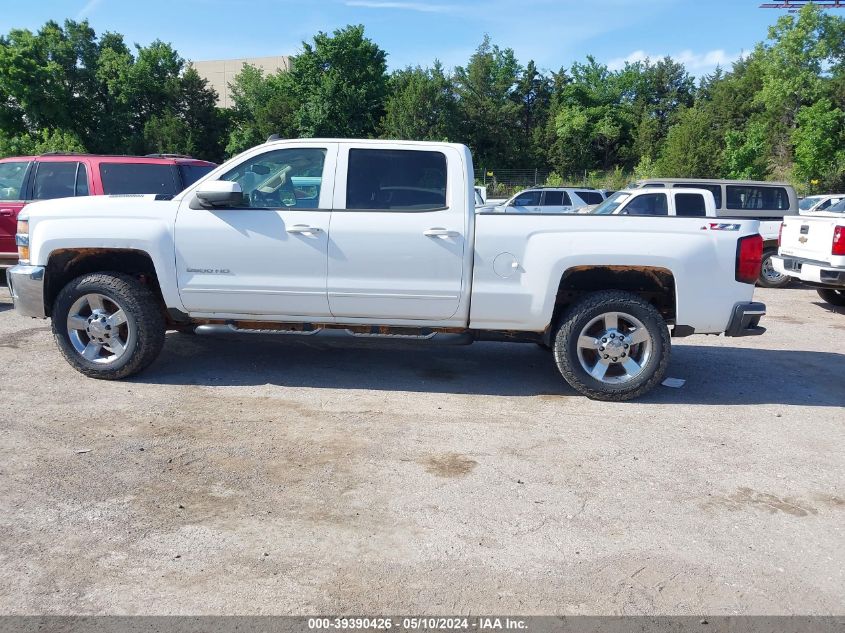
592, 119
691, 149
340, 85
192, 123
819, 143
488, 111
263, 105
421, 105
533, 94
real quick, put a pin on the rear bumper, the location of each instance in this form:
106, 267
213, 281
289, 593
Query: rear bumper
27, 286
812, 272
746, 319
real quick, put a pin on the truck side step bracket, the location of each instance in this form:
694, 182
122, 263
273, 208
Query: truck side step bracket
332, 331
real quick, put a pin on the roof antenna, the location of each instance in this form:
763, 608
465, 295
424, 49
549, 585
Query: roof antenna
273, 137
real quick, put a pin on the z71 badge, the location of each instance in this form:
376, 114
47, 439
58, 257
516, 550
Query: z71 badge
718, 226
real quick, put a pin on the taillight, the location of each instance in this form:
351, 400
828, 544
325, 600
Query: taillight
780, 234
838, 241
749, 257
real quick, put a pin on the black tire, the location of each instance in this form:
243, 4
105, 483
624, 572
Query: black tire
780, 281
580, 315
144, 320
833, 296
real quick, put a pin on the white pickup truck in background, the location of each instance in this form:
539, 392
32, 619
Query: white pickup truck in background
685, 203
768, 202
378, 239
812, 250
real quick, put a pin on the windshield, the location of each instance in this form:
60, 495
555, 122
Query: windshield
11, 179
839, 207
808, 203
612, 203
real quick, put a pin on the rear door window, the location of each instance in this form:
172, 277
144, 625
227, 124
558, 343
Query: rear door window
135, 178
55, 180
553, 198
12, 179
690, 205
397, 180
757, 198
648, 204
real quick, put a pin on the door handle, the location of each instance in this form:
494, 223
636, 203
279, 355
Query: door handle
440, 232
303, 228
6, 213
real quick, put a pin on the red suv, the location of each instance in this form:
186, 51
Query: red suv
25, 179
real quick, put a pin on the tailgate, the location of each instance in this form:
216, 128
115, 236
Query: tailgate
808, 237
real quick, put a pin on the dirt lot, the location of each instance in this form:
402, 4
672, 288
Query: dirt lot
242, 477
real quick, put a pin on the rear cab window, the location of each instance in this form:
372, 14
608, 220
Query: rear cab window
716, 190
139, 178
12, 179
397, 180
690, 205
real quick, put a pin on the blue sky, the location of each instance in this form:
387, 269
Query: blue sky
554, 33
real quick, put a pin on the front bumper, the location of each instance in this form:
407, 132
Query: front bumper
7, 260
808, 270
746, 318
27, 286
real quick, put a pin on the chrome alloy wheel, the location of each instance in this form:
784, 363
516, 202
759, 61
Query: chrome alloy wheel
614, 347
769, 272
98, 329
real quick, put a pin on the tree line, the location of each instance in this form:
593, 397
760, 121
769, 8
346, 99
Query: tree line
777, 113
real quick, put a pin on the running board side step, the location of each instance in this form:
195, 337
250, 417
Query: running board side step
369, 333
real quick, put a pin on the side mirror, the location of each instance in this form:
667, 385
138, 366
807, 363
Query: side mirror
219, 193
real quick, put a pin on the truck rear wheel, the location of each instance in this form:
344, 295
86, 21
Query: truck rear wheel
108, 325
769, 277
833, 296
612, 345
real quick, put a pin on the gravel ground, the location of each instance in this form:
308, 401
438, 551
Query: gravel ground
236, 477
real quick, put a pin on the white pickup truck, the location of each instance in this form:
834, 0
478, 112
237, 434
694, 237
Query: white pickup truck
686, 203
378, 239
812, 249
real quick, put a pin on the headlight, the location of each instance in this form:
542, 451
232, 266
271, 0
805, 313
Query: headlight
22, 240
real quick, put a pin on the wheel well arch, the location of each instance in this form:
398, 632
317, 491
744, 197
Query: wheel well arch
64, 265
655, 284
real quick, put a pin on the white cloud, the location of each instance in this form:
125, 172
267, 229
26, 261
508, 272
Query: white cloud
423, 7
696, 63
87, 9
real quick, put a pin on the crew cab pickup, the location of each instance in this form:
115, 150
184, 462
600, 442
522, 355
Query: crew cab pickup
378, 239
812, 250
688, 203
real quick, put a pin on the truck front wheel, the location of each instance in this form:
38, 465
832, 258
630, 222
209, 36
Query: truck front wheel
108, 325
833, 296
612, 345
